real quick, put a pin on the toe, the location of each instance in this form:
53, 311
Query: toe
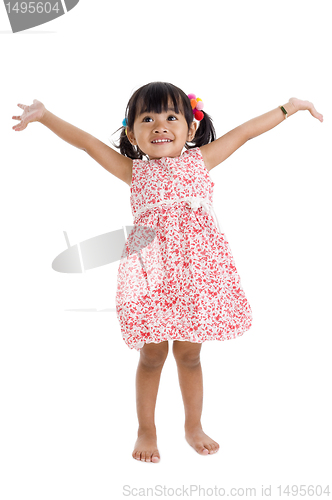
148, 457
143, 456
203, 450
155, 457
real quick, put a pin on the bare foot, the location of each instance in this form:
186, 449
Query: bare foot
201, 443
146, 447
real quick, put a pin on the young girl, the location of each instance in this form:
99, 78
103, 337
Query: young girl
178, 281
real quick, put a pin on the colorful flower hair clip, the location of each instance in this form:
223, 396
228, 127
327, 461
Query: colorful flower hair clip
197, 106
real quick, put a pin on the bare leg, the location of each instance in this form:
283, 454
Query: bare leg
187, 356
151, 362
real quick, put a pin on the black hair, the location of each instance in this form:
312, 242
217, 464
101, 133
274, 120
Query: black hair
155, 97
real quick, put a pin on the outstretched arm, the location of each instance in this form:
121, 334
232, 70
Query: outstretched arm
111, 160
217, 151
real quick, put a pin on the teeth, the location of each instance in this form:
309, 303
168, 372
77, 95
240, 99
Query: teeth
161, 140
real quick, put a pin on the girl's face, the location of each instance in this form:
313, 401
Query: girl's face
161, 134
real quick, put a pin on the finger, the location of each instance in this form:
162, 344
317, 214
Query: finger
311, 108
16, 117
23, 106
315, 113
19, 127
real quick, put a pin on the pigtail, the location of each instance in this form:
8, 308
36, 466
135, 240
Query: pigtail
125, 146
204, 134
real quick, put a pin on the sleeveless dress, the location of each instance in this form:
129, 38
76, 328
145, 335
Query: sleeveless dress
177, 278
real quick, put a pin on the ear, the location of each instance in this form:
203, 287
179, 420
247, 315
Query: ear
192, 131
131, 137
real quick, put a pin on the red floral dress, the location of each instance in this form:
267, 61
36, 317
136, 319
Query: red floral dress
177, 278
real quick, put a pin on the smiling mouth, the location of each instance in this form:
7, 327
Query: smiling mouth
161, 141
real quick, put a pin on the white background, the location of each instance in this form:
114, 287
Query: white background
68, 413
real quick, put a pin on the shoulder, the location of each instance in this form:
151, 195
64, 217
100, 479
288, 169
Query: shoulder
140, 163
194, 154
139, 168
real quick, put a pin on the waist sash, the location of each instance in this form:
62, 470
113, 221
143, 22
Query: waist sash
195, 203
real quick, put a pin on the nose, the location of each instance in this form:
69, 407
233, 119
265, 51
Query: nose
160, 128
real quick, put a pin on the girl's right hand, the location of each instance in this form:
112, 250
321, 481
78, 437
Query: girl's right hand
32, 113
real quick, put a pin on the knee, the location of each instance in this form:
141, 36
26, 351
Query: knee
187, 355
154, 355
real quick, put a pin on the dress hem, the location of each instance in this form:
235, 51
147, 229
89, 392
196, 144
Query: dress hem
220, 339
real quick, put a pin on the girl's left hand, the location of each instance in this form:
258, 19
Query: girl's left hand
303, 105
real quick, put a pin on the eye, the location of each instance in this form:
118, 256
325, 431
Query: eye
147, 118
172, 118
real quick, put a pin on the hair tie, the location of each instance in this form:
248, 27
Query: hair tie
124, 124
197, 106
